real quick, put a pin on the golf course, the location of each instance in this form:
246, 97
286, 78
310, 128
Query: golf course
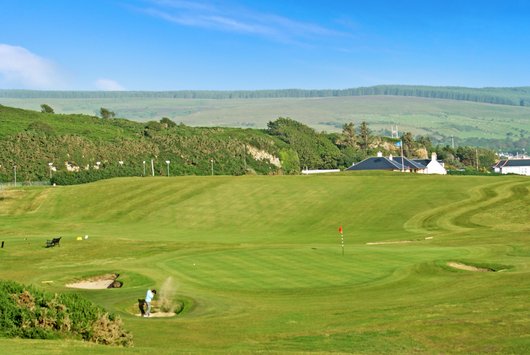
430, 264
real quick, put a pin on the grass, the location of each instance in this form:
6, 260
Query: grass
434, 117
257, 261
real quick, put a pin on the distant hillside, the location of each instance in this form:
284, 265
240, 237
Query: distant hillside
504, 127
516, 96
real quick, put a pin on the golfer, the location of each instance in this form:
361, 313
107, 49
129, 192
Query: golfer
148, 298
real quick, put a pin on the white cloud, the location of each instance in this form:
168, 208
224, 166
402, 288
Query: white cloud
236, 19
108, 85
20, 68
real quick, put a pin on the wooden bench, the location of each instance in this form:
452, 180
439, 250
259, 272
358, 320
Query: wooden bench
53, 242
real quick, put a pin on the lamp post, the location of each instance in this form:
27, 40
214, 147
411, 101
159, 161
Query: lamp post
167, 162
50, 165
144, 167
211, 161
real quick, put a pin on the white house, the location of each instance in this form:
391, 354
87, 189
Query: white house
420, 166
433, 166
513, 166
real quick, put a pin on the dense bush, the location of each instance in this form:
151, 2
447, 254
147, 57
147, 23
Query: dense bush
26, 312
315, 150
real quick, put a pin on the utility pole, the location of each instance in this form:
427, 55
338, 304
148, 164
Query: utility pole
152, 167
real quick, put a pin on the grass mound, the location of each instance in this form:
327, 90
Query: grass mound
29, 313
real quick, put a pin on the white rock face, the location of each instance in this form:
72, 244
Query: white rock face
258, 154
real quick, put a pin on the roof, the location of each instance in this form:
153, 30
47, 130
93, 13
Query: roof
425, 161
409, 164
512, 162
383, 163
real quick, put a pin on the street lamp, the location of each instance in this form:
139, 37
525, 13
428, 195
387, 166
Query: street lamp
50, 165
211, 161
144, 167
167, 162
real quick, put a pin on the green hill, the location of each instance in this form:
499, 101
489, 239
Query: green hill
495, 120
256, 261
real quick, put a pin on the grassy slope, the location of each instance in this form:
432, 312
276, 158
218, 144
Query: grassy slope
16, 120
420, 115
258, 259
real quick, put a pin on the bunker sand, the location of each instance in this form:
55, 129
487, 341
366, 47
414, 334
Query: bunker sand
95, 283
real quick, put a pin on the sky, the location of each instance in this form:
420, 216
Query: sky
162, 45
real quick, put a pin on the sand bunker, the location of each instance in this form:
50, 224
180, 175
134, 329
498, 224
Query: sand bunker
97, 282
461, 266
159, 315
396, 242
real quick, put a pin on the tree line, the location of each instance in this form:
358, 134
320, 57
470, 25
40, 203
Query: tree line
517, 96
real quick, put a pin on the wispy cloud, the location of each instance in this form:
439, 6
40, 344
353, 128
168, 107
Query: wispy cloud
20, 68
234, 19
108, 85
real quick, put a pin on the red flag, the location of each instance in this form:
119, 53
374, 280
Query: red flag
340, 229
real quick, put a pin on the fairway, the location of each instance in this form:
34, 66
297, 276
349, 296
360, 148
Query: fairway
256, 261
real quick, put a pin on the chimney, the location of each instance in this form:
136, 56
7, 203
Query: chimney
379, 154
390, 157
433, 156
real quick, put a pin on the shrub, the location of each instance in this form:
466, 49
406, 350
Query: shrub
26, 312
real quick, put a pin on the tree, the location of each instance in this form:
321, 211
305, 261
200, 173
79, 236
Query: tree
166, 122
408, 144
106, 113
424, 141
348, 138
46, 108
364, 136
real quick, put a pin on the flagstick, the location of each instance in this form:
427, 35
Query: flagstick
342, 243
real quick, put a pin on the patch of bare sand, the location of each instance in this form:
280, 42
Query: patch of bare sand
461, 266
396, 242
159, 315
95, 283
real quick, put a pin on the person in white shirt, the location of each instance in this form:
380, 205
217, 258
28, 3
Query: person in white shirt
148, 298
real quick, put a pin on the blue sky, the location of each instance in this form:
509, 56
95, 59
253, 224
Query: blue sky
243, 44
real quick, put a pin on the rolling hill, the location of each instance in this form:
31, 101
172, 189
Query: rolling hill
444, 114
